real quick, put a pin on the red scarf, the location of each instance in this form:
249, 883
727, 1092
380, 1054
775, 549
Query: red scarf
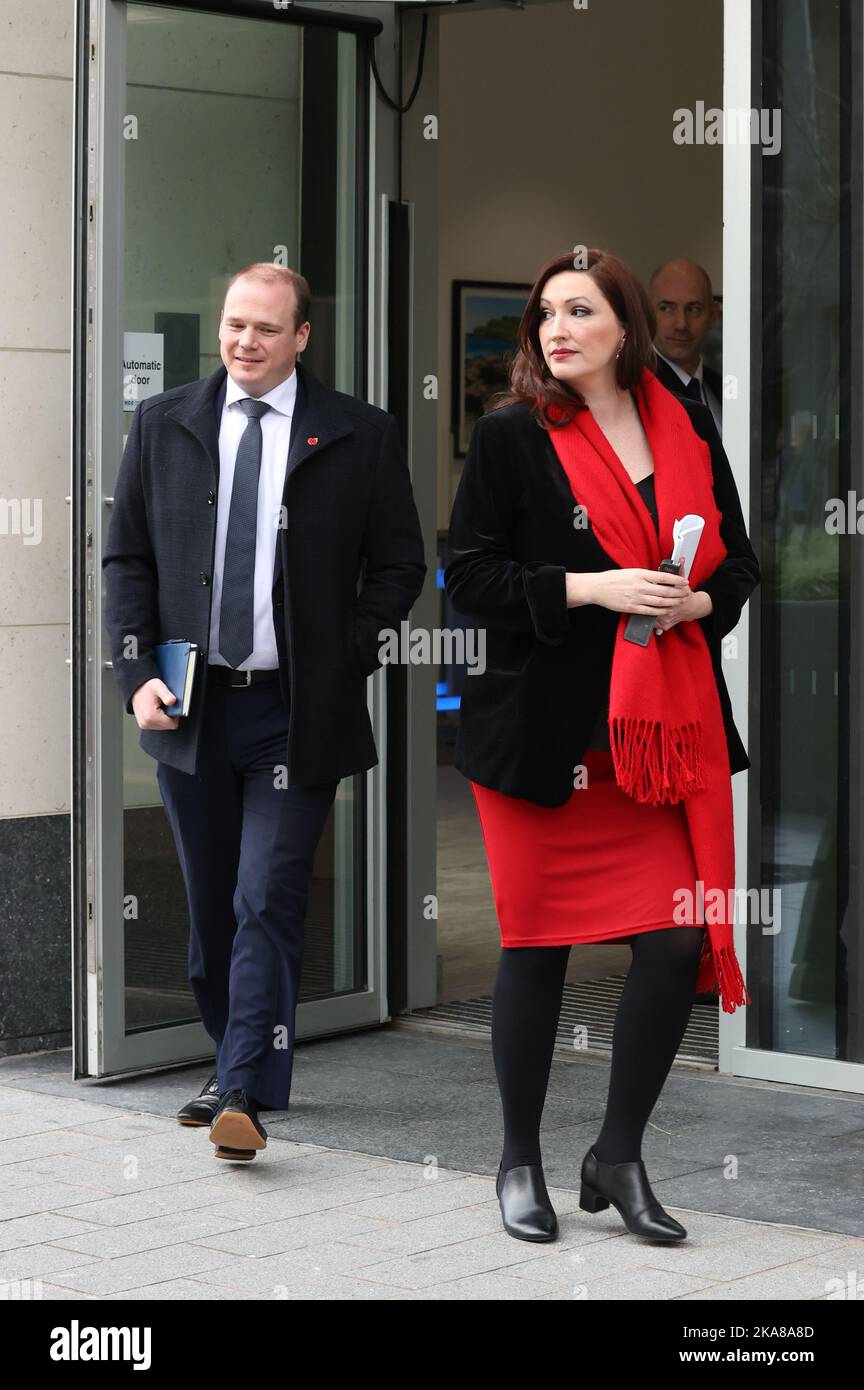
666, 728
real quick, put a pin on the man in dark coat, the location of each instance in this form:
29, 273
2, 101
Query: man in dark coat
686, 310
271, 521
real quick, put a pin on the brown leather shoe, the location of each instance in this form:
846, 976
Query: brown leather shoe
236, 1125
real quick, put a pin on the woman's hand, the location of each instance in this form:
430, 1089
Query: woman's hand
666, 597
693, 604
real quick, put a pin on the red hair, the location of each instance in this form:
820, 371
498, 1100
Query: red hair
530, 378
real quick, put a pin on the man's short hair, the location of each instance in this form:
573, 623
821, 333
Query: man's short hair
282, 275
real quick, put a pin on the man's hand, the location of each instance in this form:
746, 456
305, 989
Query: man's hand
147, 705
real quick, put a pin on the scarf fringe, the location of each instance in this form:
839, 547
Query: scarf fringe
656, 763
719, 969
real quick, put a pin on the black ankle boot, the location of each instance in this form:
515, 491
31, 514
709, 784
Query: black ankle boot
526, 1209
626, 1186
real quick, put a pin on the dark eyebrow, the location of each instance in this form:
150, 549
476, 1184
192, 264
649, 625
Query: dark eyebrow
571, 300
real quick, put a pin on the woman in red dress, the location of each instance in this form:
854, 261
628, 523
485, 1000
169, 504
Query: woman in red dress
600, 766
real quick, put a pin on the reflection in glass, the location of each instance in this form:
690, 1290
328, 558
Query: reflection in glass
804, 742
213, 142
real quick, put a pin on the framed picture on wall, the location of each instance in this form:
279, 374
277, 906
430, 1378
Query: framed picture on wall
486, 316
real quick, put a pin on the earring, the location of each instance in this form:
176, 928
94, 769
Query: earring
620, 345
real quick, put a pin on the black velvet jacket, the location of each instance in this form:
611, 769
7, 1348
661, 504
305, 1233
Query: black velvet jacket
526, 721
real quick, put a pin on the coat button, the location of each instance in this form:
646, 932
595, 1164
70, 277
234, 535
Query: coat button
205, 578
211, 498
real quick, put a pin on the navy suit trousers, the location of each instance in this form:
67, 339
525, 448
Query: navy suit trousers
246, 844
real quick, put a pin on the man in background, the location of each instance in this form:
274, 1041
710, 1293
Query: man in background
686, 310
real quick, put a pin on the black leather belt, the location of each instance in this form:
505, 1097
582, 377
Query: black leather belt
240, 680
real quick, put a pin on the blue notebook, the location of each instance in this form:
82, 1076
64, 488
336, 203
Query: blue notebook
177, 661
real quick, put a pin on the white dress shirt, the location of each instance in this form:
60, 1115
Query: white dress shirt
708, 397
275, 439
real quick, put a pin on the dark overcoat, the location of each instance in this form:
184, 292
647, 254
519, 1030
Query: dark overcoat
349, 563
526, 721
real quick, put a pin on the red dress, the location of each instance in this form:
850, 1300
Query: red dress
600, 867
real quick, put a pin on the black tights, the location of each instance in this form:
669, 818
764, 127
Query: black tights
652, 1015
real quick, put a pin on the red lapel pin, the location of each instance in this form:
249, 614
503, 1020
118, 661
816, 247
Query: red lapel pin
313, 439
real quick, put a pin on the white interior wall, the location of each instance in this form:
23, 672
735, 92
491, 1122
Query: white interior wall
556, 130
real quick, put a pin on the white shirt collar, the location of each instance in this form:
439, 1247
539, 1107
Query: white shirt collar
679, 371
281, 398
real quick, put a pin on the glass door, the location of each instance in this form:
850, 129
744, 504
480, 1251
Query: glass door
806, 961
215, 140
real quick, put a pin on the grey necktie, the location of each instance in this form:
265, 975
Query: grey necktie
237, 609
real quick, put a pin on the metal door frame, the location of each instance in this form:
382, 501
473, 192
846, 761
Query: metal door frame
101, 1046
741, 433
